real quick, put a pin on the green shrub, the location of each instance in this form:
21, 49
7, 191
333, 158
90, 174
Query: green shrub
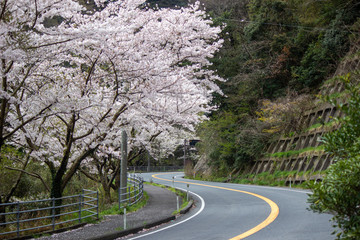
339, 190
339, 193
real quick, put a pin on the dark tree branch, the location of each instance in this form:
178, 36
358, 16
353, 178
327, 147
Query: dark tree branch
14, 186
27, 121
90, 176
36, 15
75, 166
31, 174
3, 9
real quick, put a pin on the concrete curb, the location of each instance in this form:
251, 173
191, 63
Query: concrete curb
187, 208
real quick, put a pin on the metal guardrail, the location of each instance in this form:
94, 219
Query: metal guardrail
43, 215
154, 168
133, 192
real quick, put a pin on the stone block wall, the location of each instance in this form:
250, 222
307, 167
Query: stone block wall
312, 162
299, 153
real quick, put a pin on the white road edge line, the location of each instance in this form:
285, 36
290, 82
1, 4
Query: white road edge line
185, 220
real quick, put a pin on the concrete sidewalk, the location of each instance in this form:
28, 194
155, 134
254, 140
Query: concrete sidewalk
159, 209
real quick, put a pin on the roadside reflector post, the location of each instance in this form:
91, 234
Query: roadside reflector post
187, 192
177, 203
124, 218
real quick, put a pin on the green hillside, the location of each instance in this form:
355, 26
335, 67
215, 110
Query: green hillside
276, 56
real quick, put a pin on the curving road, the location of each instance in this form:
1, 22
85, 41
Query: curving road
235, 211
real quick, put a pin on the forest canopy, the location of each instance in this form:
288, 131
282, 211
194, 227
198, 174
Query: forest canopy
275, 52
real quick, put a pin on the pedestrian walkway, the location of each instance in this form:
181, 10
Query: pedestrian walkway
160, 206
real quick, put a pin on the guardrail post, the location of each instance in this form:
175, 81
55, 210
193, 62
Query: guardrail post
136, 189
97, 205
53, 214
139, 184
82, 198
80, 208
124, 218
120, 195
129, 189
18, 220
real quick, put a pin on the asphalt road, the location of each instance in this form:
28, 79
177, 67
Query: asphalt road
235, 211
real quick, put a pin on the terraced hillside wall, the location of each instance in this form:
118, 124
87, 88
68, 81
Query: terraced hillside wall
303, 152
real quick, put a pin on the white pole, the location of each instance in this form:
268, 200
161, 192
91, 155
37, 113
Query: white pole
187, 193
184, 153
124, 218
177, 203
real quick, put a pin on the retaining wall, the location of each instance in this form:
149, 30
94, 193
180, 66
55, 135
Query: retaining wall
301, 152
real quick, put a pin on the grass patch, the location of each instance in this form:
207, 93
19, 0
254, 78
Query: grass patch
183, 205
119, 228
296, 152
327, 126
276, 179
114, 208
314, 126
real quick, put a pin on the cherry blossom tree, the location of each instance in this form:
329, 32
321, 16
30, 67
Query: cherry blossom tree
25, 47
104, 165
123, 67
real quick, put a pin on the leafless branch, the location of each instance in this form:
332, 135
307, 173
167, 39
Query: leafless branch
31, 174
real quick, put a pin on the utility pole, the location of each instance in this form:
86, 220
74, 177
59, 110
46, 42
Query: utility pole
148, 161
123, 169
184, 153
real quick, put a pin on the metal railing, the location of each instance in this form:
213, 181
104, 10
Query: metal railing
154, 168
133, 192
36, 216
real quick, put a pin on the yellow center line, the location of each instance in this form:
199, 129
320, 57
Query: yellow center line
272, 216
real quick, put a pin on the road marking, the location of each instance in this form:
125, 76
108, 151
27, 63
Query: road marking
272, 216
185, 220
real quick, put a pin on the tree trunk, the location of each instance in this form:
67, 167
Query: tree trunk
56, 192
57, 176
107, 190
